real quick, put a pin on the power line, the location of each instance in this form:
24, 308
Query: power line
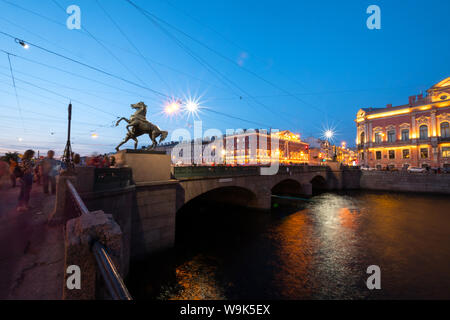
15, 89
88, 66
105, 48
104, 41
150, 17
221, 55
79, 76
132, 44
63, 96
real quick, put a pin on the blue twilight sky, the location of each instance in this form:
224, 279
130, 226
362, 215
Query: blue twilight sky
298, 65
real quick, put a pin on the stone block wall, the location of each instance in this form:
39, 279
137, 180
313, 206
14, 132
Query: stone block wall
153, 219
405, 182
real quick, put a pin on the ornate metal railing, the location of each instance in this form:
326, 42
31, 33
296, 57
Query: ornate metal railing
113, 280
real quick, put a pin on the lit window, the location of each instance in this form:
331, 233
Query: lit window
377, 137
424, 153
445, 152
405, 134
391, 154
391, 136
445, 130
406, 154
423, 130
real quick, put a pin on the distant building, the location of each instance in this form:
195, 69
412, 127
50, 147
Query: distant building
249, 147
415, 134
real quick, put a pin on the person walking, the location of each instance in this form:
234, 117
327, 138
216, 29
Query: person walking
12, 166
49, 172
26, 180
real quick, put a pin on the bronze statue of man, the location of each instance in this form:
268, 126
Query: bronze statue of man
139, 125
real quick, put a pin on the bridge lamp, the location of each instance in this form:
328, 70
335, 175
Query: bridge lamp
191, 106
329, 134
172, 108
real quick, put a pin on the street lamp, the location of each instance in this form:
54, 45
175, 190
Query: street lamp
23, 44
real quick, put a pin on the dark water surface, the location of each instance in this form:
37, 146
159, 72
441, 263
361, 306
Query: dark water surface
319, 252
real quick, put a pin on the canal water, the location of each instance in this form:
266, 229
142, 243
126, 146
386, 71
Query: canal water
318, 251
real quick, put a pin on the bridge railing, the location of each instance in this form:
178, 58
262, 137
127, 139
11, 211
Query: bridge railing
224, 171
214, 171
113, 281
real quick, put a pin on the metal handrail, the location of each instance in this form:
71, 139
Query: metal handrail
114, 283
113, 280
76, 198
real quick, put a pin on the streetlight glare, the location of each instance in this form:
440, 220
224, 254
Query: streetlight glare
172, 108
191, 106
329, 134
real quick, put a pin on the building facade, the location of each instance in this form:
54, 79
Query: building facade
416, 134
249, 147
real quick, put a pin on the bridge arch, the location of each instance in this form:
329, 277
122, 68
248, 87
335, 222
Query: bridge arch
318, 184
290, 187
231, 195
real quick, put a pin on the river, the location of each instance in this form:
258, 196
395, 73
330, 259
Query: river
319, 251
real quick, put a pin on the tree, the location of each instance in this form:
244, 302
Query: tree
10, 155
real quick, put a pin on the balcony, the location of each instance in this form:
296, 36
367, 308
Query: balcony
443, 139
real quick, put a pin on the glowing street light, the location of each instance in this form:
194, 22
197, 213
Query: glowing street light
94, 135
191, 106
172, 107
23, 44
329, 134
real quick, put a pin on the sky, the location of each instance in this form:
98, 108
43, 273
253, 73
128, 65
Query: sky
304, 66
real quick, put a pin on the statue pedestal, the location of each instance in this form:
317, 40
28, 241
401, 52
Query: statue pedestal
146, 165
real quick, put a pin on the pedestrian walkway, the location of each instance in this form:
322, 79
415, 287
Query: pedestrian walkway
31, 252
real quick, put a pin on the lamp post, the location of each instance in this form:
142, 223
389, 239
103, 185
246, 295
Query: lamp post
67, 158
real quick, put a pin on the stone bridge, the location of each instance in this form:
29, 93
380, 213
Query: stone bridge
145, 196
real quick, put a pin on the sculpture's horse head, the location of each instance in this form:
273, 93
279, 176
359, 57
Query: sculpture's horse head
139, 105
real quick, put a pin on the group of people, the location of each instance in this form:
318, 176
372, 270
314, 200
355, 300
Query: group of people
101, 161
43, 171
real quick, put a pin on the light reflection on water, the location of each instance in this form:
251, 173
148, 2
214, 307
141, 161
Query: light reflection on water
320, 252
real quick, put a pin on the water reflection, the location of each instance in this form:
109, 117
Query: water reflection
319, 252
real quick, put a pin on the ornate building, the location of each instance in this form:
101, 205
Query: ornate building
249, 147
416, 134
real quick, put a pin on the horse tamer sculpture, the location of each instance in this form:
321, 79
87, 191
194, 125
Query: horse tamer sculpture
138, 125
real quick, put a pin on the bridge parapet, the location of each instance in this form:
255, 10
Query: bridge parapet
194, 172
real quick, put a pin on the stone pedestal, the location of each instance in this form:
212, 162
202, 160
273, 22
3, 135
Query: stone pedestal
61, 213
80, 235
146, 165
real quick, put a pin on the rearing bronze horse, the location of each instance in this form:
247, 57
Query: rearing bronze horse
139, 126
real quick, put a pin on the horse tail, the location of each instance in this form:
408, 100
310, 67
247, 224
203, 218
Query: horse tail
163, 136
